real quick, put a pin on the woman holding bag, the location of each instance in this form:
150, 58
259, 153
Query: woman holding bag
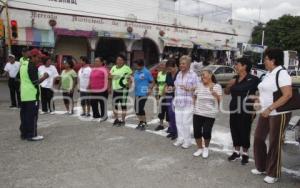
271, 122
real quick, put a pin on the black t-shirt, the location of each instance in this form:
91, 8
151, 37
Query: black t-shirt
240, 90
170, 82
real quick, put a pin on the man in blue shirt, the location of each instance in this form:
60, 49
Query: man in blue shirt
143, 81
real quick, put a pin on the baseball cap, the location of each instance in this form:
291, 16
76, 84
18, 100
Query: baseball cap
11, 55
35, 52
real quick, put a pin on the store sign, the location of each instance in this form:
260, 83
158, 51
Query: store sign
65, 1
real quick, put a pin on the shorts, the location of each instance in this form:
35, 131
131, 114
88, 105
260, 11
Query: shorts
85, 98
120, 96
139, 105
67, 97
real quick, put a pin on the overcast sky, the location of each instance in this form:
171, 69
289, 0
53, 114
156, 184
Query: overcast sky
270, 9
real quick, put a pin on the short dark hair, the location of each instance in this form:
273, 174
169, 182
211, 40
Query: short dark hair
70, 62
245, 61
171, 63
101, 58
25, 49
45, 59
85, 59
275, 54
139, 62
122, 56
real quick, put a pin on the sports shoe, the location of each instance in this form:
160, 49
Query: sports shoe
104, 119
12, 107
234, 156
245, 159
169, 135
36, 138
205, 153
143, 127
83, 114
116, 122
174, 137
159, 127
88, 115
121, 123
52, 113
270, 180
256, 172
178, 143
198, 153
186, 145
42, 112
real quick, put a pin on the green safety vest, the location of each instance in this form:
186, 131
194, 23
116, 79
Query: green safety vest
28, 90
161, 81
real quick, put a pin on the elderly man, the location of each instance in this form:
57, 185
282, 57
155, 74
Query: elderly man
185, 84
30, 95
11, 69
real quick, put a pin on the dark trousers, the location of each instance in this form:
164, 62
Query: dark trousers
274, 127
29, 117
240, 128
202, 126
172, 121
14, 90
99, 99
163, 109
139, 105
46, 99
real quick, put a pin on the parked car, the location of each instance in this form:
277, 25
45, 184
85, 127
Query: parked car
295, 74
259, 71
60, 61
222, 73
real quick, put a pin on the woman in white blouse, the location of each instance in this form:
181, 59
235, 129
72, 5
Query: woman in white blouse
271, 123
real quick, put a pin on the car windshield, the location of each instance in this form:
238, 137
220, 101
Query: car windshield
210, 67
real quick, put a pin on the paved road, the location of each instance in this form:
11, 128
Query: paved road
84, 153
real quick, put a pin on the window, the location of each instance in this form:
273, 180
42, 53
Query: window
229, 70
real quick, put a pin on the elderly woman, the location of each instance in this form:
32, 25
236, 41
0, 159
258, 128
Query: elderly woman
271, 123
185, 84
241, 114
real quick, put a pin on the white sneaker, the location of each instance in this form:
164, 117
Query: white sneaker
256, 172
205, 153
52, 113
197, 153
42, 112
36, 138
186, 145
178, 143
270, 180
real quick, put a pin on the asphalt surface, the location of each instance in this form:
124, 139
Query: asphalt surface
80, 152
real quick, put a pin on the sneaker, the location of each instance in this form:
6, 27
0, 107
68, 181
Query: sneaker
245, 159
205, 153
52, 113
83, 114
121, 123
186, 145
88, 115
42, 112
143, 127
169, 135
104, 119
257, 172
12, 107
159, 127
198, 153
173, 137
234, 156
36, 138
270, 180
116, 122
178, 143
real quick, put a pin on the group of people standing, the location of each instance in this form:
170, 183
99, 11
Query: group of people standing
187, 100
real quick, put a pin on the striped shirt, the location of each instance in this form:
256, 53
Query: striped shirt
206, 104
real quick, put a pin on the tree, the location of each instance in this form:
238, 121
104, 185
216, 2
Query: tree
283, 32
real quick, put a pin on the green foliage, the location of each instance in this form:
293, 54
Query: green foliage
283, 32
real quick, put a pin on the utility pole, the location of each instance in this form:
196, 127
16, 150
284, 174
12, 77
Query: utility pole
7, 26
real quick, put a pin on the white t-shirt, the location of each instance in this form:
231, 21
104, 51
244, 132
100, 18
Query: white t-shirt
268, 86
206, 104
52, 72
84, 78
12, 69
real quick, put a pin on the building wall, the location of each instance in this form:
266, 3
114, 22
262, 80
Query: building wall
71, 46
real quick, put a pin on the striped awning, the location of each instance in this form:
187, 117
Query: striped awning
34, 37
174, 42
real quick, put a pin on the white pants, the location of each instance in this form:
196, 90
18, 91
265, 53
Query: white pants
184, 122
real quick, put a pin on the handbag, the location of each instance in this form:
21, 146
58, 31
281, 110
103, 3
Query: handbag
293, 103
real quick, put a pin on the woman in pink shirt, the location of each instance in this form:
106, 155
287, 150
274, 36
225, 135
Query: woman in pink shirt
99, 89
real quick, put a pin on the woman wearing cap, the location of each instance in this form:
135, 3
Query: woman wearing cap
47, 85
68, 83
30, 96
241, 115
207, 98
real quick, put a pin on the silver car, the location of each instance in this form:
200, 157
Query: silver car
222, 73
